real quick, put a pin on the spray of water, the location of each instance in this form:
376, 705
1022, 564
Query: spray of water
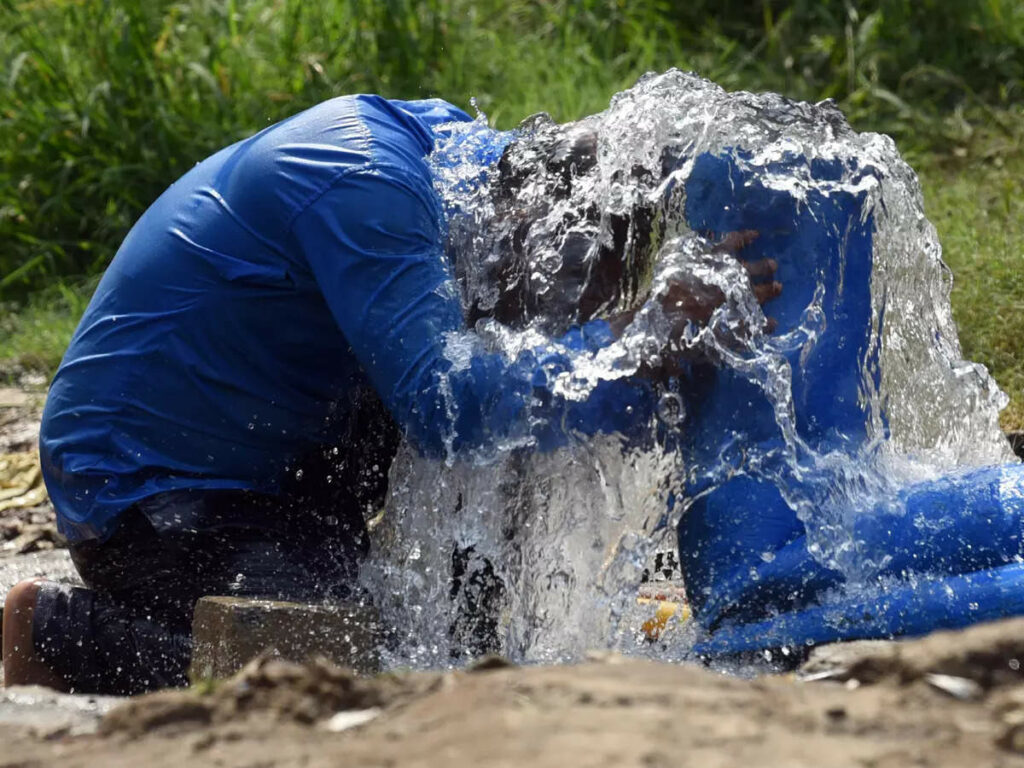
538, 555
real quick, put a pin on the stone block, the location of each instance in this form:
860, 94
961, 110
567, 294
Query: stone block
228, 632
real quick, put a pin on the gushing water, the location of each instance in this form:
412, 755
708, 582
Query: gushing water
538, 554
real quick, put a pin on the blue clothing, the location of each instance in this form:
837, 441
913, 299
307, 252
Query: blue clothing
264, 285
950, 557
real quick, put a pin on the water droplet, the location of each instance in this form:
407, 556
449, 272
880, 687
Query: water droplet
671, 409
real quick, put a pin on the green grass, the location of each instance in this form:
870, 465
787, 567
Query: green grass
33, 338
977, 205
104, 102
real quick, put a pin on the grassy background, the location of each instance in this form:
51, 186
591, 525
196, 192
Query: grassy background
104, 102
978, 208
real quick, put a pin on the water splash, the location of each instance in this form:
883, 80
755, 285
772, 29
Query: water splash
539, 555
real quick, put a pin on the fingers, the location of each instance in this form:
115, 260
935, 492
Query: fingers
760, 269
735, 241
767, 291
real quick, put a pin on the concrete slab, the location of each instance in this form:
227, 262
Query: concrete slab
228, 632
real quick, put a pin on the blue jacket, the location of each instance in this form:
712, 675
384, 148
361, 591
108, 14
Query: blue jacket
262, 286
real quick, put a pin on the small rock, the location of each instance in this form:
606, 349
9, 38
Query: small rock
489, 662
342, 721
957, 687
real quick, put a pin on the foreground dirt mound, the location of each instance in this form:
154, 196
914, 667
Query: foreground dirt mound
267, 689
988, 656
951, 699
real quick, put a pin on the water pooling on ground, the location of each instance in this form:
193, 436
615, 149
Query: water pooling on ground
860, 392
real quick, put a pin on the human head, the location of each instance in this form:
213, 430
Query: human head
558, 253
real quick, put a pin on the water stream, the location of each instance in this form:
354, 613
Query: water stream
538, 555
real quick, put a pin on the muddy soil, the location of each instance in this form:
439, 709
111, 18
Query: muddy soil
952, 699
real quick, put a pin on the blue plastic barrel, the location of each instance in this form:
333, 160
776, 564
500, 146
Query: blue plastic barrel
751, 580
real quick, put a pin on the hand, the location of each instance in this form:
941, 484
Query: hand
691, 300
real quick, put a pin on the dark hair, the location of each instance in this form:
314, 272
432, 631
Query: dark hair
603, 256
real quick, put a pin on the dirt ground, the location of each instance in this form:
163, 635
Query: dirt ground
26, 517
952, 699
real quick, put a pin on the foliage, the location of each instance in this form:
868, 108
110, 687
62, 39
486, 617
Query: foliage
33, 339
104, 102
977, 205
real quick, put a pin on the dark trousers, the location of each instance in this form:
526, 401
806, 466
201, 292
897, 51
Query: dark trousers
129, 631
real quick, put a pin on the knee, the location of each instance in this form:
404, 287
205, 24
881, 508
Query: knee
21, 665
21, 600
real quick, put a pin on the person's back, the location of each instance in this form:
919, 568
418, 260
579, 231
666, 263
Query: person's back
228, 342
242, 327
209, 356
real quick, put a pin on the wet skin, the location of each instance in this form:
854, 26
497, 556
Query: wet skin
22, 666
690, 302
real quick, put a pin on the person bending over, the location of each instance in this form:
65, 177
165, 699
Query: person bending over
227, 409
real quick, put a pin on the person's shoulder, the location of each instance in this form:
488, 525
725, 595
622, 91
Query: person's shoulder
372, 121
401, 134
346, 134
273, 176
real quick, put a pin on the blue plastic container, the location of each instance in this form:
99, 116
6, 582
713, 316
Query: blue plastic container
952, 559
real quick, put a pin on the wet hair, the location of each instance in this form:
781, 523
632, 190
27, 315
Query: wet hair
604, 257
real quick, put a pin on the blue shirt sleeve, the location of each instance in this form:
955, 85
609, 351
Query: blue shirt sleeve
374, 243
